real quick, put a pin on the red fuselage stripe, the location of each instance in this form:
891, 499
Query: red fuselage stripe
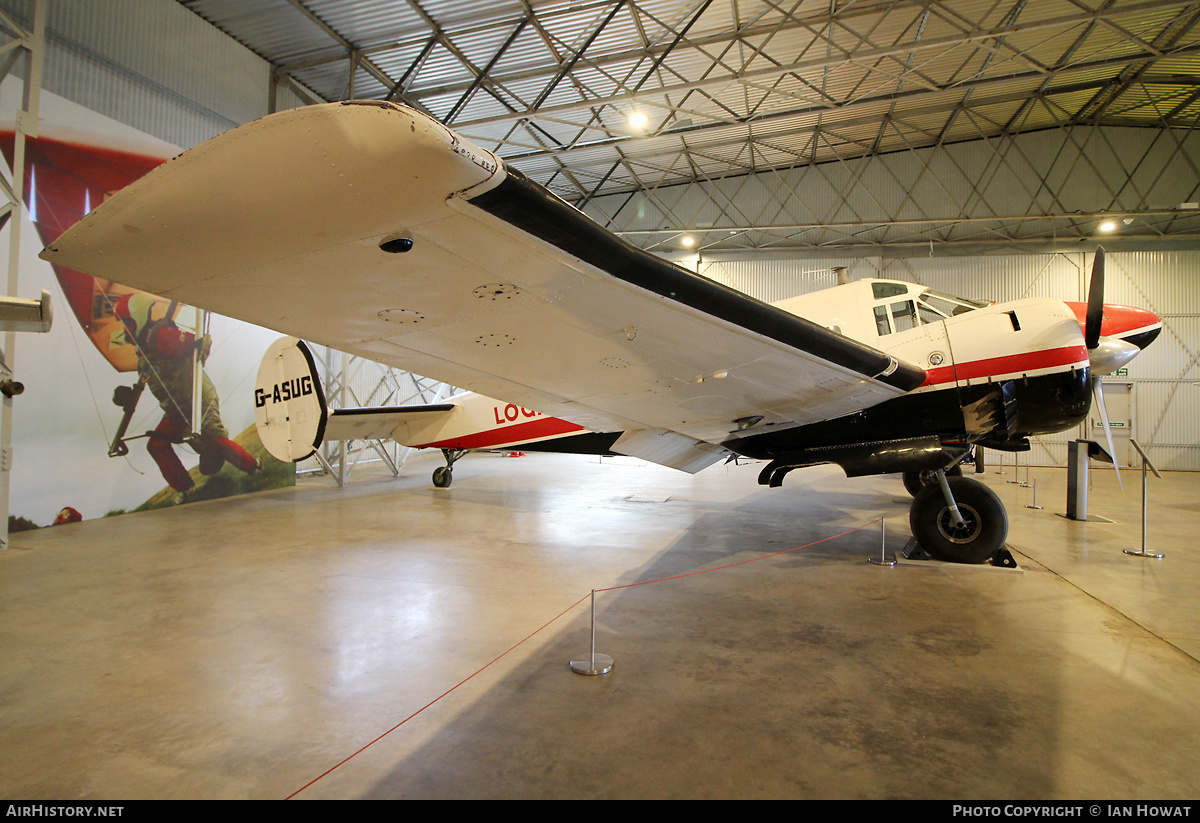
539, 429
1009, 364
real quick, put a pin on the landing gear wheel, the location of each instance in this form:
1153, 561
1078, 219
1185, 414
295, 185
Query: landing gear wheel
443, 477
976, 539
915, 481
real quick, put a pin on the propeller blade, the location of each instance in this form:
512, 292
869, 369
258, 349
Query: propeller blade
1095, 306
1098, 394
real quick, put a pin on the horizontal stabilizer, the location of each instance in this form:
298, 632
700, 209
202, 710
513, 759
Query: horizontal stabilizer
379, 423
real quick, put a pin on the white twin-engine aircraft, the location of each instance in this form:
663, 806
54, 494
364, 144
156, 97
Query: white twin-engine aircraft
372, 228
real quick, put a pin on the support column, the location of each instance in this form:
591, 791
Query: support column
31, 44
1077, 480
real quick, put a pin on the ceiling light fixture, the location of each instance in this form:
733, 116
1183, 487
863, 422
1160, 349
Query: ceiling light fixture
688, 240
1107, 225
638, 120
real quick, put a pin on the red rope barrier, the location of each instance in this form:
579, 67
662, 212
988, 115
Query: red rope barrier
515, 646
436, 699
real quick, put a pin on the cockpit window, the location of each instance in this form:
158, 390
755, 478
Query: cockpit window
928, 314
882, 324
882, 290
900, 316
931, 306
904, 317
949, 304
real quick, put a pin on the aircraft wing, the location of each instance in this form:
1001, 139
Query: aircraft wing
373, 229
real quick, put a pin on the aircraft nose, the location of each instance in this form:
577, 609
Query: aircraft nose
1145, 338
1138, 326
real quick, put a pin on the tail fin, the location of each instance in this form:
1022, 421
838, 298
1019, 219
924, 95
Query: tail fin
289, 406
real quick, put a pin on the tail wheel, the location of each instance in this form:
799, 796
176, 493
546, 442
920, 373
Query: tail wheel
915, 481
976, 539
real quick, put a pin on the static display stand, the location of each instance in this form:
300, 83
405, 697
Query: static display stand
1144, 552
592, 664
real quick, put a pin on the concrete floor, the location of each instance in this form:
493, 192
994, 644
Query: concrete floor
242, 648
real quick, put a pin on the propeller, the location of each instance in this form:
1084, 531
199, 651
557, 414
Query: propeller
1105, 354
1095, 303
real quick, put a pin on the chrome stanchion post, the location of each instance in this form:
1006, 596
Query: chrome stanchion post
594, 663
1034, 505
883, 560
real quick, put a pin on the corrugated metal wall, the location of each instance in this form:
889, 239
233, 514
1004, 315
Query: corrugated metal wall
1163, 376
153, 65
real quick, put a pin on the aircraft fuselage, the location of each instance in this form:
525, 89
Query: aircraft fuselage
1002, 371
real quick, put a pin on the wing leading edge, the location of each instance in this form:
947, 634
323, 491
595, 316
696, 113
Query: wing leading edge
373, 229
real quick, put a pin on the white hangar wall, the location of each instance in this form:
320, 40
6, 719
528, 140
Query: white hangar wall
1162, 378
152, 65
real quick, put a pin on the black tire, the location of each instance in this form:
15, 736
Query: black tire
443, 477
915, 481
984, 529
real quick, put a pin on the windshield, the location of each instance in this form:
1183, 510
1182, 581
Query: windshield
949, 305
932, 306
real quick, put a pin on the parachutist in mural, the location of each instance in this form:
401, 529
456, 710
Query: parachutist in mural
164, 363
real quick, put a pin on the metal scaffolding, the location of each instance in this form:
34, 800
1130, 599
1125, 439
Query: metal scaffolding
24, 48
733, 88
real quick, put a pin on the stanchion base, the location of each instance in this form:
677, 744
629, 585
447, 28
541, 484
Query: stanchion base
1143, 553
882, 561
592, 665
1091, 518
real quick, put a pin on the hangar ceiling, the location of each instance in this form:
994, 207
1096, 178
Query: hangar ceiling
731, 88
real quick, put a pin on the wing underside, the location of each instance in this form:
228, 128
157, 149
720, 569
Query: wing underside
504, 289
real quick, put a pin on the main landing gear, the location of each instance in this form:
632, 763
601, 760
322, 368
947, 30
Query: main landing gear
443, 476
915, 481
957, 519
